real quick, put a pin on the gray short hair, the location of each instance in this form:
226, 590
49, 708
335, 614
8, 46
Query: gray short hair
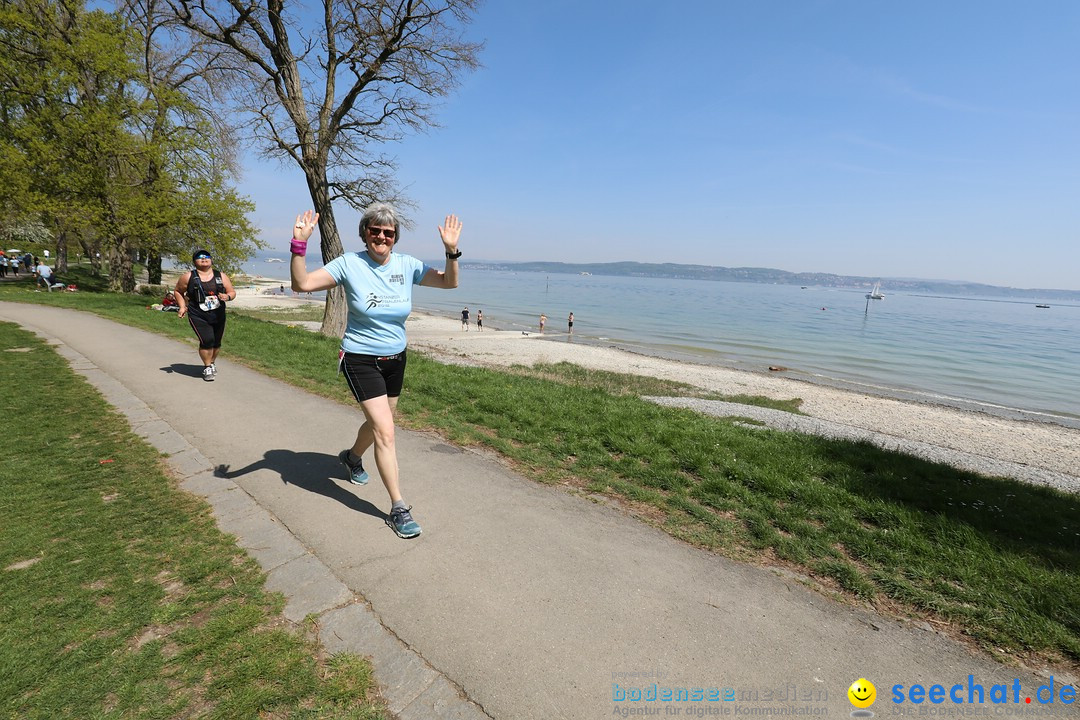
380, 214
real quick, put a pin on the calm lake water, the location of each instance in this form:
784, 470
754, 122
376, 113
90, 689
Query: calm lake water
1002, 356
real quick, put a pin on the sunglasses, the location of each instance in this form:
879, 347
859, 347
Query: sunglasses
385, 232
203, 257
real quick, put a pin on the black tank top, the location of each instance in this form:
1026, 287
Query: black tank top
197, 290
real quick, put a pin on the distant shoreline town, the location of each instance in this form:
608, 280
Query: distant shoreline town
779, 277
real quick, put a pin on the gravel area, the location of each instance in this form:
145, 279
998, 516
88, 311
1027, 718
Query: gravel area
780, 420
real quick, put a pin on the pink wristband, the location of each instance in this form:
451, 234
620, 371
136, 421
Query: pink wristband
298, 247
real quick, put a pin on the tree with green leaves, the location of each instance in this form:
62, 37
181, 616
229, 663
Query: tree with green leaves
326, 84
181, 80
109, 154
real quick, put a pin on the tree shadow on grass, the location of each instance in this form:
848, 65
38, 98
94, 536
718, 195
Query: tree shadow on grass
1039, 522
311, 471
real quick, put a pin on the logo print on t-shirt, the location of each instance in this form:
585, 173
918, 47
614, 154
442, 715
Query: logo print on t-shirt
398, 278
372, 300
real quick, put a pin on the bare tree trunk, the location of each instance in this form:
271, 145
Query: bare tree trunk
127, 269
91, 253
121, 269
153, 268
335, 313
112, 254
61, 252
380, 67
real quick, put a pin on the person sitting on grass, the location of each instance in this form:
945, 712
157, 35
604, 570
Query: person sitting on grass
43, 273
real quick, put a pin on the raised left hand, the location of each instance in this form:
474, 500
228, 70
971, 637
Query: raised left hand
450, 232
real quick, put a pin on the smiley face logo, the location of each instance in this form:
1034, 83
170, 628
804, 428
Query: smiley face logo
862, 693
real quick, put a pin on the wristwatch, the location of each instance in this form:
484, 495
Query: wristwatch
453, 256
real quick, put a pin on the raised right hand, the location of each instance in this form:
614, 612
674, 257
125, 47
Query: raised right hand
305, 225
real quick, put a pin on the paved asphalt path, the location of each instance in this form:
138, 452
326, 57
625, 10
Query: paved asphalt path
519, 600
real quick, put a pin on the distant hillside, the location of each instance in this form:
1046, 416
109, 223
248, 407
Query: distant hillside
782, 277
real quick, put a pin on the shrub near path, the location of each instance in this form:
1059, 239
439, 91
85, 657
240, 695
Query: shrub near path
119, 596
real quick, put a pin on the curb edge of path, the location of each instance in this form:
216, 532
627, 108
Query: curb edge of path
411, 687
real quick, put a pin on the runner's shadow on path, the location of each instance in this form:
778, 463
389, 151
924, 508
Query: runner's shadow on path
194, 371
310, 471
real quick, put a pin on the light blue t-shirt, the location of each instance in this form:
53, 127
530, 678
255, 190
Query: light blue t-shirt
379, 298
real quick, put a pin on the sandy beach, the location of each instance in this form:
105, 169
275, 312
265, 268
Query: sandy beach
1035, 445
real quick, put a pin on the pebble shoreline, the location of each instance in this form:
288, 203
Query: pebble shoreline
1035, 452
780, 420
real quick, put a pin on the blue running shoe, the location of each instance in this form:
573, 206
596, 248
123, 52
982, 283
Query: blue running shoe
402, 523
357, 474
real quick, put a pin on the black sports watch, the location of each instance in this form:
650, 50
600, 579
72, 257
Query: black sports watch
453, 256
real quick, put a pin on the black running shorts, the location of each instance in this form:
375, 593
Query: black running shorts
370, 376
209, 326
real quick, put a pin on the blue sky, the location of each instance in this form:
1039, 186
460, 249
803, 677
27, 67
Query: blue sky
922, 139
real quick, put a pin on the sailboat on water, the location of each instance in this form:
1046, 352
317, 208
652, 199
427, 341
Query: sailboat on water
876, 293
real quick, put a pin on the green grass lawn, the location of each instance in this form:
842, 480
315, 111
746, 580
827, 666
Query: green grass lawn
119, 597
302, 313
991, 559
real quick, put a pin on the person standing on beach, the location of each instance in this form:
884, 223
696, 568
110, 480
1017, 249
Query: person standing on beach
570, 324
543, 321
201, 295
378, 287
465, 319
480, 320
